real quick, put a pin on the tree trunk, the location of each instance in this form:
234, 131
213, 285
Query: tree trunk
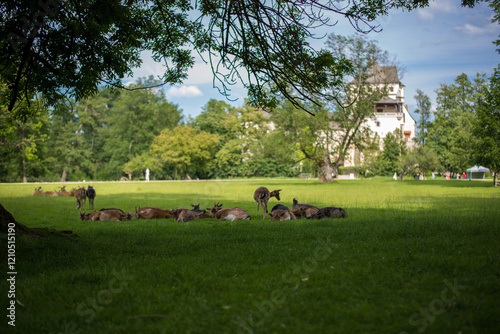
8, 221
64, 175
25, 179
326, 171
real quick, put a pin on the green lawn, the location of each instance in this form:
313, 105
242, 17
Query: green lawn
413, 256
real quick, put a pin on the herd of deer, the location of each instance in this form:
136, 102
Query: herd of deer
80, 194
262, 195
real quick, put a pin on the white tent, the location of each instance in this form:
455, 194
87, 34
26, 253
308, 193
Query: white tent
476, 172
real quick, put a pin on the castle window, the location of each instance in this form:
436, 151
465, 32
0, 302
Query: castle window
378, 124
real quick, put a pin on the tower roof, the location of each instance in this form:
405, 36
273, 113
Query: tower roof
383, 74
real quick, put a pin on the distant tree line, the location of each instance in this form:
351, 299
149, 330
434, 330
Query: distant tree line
118, 134
464, 128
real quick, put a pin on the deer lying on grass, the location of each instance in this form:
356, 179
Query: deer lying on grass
90, 193
280, 213
106, 215
64, 192
232, 214
217, 206
113, 209
153, 213
329, 212
303, 210
80, 197
51, 193
303, 205
262, 196
38, 191
184, 215
201, 213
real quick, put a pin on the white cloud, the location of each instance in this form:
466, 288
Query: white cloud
475, 30
184, 91
437, 7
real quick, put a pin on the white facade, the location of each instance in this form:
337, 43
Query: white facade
390, 113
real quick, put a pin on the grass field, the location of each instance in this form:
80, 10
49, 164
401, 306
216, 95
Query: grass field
412, 257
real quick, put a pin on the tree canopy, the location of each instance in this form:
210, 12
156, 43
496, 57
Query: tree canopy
61, 48
487, 127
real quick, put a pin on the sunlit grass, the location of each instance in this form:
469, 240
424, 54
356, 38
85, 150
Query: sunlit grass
377, 271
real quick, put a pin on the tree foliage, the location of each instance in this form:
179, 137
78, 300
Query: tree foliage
22, 140
71, 47
418, 159
424, 109
387, 161
450, 133
185, 149
486, 127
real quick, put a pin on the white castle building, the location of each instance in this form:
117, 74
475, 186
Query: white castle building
390, 113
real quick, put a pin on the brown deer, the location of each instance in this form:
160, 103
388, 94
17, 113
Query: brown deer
38, 191
204, 214
329, 212
304, 212
280, 213
217, 206
153, 213
232, 214
262, 196
92, 216
64, 192
106, 215
114, 215
297, 205
80, 197
51, 193
184, 215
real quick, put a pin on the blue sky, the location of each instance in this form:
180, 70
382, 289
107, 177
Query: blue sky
434, 44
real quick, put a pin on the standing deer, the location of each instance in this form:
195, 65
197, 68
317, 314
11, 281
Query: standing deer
90, 193
262, 196
80, 197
